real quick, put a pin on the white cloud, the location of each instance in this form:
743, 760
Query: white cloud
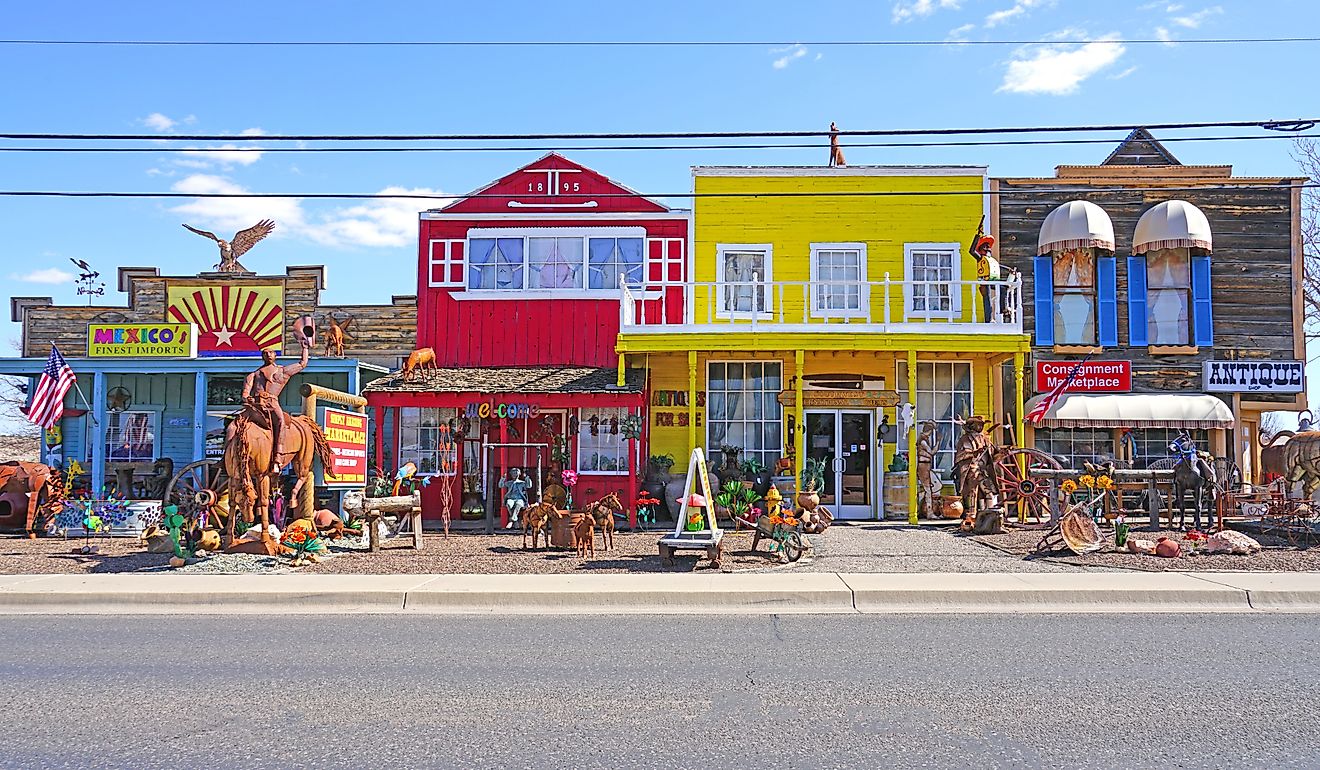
1162, 33
378, 223
44, 275
1060, 68
159, 122
1194, 20
225, 155
1008, 14
1124, 73
791, 54
907, 10
959, 34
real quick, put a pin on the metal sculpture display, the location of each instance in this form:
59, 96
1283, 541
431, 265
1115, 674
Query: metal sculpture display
1024, 491
335, 334
928, 486
236, 247
1193, 471
28, 483
603, 511
973, 468
263, 439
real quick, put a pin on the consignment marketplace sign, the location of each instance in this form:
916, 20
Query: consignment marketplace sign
1093, 377
346, 433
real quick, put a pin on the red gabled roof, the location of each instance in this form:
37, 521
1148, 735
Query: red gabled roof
593, 192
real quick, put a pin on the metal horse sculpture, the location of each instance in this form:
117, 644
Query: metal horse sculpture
1193, 471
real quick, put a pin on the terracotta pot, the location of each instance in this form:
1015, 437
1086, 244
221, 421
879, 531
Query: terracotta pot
561, 529
808, 501
1169, 549
952, 507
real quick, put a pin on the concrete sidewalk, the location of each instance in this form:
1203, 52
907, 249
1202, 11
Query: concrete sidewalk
817, 593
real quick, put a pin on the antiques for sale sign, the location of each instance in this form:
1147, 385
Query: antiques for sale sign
346, 433
1253, 376
1093, 377
142, 340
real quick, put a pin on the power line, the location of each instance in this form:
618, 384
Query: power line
812, 145
1025, 191
644, 43
1292, 126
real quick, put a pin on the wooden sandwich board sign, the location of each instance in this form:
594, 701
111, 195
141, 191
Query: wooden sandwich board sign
709, 538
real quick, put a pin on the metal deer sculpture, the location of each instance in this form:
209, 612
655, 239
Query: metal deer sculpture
239, 245
1193, 471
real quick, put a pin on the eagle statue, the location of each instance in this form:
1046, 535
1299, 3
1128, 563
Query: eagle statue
242, 241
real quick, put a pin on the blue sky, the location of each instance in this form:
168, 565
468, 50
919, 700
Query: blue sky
369, 247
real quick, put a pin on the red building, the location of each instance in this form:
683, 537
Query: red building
519, 292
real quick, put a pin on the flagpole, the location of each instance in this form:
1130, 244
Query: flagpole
90, 411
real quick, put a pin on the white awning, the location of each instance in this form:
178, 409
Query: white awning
1074, 225
1171, 225
1136, 410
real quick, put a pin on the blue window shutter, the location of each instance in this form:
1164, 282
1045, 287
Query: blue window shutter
1203, 324
1106, 284
1044, 283
1137, 301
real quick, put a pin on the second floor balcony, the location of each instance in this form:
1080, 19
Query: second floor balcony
863, 307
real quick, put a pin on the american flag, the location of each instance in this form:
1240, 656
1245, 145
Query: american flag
1043, 407
48, 401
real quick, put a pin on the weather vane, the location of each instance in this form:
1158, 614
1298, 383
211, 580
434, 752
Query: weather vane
87, 283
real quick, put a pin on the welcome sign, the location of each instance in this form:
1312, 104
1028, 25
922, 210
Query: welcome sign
178, 340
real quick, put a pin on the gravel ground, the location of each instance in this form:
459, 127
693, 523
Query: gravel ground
869, 547
1276, 556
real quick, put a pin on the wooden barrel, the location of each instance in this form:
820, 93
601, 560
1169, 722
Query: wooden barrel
896, 496
561, 529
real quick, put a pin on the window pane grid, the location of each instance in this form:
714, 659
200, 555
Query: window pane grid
602, 447
743, 409
426, 437
944, 394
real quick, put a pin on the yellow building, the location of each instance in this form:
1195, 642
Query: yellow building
814, 303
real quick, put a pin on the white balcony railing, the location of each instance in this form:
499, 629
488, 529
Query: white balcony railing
967, 307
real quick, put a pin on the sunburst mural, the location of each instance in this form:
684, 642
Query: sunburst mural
231, 320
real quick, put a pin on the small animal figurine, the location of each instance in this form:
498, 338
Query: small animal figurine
536, 520
836, 152
585, 533
602, 511
421, 358
335, 335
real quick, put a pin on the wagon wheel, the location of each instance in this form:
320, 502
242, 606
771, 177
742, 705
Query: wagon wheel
195, 488
793, 546
1228, 477
1024, 492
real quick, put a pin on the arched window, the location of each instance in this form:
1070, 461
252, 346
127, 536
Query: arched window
1075, 278
1169, 302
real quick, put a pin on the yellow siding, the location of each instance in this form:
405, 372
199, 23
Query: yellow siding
792, 224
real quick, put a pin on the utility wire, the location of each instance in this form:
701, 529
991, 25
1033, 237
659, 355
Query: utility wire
643, 43
1290, 126
784, 146
1024, 191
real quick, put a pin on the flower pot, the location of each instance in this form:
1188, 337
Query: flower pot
561, 529
808, 501
951, 507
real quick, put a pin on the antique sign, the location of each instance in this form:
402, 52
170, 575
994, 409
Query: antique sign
843, 399
1253, 376
1093, 377
171, 340
346, 433
232, 320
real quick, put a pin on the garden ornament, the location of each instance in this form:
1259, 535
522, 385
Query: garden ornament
231, 250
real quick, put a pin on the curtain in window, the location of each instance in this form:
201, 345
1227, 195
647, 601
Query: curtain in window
554, 263
1074, 297
1169, 294
743, 273
495, 263
613, 258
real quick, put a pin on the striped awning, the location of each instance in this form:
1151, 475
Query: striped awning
1136, 410
1171, 225
1075, 225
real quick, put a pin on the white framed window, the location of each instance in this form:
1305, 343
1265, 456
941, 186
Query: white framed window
131, 436
838, 280
427, 437
934, 273
445, 266
742, 280
601, 445
944, 394
553, 259
743, 409
1074, 296
1168, 296
665, 260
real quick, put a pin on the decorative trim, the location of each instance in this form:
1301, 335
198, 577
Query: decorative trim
1173, 350
1078, 350
1171, 243
582, 205
1074, 243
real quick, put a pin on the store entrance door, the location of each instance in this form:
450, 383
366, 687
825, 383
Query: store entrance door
845, 441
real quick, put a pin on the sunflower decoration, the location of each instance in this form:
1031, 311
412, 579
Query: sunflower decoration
1087, 480
1104, 482
1069, 486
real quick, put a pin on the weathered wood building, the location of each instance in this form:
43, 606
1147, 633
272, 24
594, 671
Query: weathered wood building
1165, 279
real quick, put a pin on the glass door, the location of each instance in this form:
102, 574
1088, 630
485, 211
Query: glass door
822, 440
856, 476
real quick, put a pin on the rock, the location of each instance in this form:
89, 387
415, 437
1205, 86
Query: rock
177, 562
1169, 549
1232, 542
1144, 547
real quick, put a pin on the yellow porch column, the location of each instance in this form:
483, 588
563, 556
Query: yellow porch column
1019, 424
622, 369
800, 415
692, 400
912, 437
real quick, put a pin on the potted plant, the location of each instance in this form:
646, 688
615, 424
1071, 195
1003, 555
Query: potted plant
730, 470
812, 479
758, 474
736, 501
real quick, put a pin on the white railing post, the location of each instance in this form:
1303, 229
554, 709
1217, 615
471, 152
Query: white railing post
887, 283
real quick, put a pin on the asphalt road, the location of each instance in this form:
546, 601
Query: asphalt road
659, 692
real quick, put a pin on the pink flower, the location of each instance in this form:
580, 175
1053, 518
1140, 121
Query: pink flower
569, 477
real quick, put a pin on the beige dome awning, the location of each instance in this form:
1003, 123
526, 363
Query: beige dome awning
1076, 224
1171, 225
1136, 410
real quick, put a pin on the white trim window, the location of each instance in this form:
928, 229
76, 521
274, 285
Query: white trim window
600, 442
426, 437
934, 273
131, 436
743, 272
445, 266
743, 409
838, 280
556, 261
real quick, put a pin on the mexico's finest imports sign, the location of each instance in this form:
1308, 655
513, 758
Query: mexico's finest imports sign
1094, 377
141, 341
1253, 376
346, 433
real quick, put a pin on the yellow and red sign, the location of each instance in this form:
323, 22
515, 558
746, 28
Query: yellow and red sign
231, 320
175, 340
346, 433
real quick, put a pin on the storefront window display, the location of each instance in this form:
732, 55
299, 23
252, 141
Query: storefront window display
743, 410
944, 394
1151, 445
131, 436
1074, 446
602, 447
426, 437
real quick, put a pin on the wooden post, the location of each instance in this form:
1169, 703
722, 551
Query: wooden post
622, 380
912, 438
199, 415
98, 432
1019, 402
692, 400
800, 414
380, 438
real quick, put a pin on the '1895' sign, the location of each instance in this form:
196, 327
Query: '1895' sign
1254, 376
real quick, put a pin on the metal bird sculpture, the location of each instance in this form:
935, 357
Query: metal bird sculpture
242, 241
